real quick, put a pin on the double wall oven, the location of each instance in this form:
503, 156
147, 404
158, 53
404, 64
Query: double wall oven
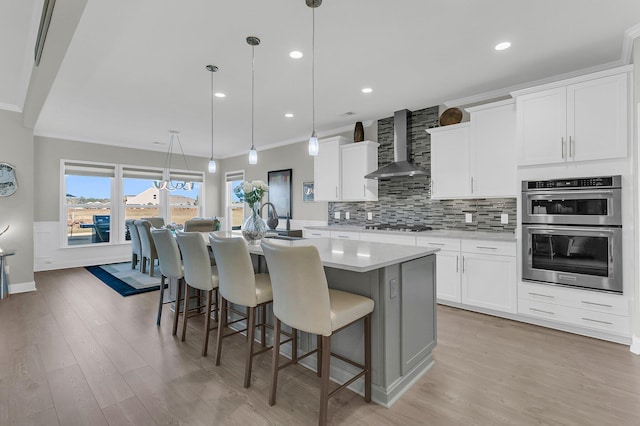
572, 232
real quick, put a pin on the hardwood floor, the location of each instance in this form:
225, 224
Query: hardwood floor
77, 353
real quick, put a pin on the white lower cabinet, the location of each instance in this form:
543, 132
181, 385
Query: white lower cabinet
407, 240
316, 233
489, 281
447, 266
583, 308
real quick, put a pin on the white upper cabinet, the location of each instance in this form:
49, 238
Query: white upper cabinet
340, 167
327, 169
358, 160
476, 159
450, 175
574, 120
493, 150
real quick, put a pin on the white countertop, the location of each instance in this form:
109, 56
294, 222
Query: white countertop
438, 233
350, 255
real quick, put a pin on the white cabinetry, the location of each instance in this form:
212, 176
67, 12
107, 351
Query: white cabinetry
575, 120
476, 159
489, 275
316, 233
345, 235
327, 169
358, 160
475, 273
450, 176
407, 240
340, 167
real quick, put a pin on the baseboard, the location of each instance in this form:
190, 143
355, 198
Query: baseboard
635, 345
22, 287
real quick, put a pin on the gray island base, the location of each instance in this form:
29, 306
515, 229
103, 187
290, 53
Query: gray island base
401, 280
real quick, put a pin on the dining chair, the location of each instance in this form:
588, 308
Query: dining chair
156, 222
303, 300
200, 225
149, 252
136, 248
200, 275
170, 268
241, 286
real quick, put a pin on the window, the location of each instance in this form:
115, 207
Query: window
90, 216
88, 190
233, 206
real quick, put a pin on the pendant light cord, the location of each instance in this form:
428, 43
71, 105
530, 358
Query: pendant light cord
212, 115
313, 69
253, 61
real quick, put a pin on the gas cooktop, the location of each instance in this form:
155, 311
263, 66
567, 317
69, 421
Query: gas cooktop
398, 227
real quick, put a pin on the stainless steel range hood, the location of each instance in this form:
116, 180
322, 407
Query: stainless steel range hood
400, 166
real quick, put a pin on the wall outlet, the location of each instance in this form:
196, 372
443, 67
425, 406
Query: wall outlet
347, 215
369, 215
336, 215
468, 218
504, 218
393, 288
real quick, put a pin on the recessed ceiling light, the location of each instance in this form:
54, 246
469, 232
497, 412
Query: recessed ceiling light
295, 54
367, 90
502, 46
288, 115
219, 95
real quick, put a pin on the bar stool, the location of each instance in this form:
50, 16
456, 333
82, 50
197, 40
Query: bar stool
302, 300
136, 247
148, 247
200, 275
239, 285
170, 267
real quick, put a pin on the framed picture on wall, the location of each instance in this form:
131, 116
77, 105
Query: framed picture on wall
307, 192
279, 182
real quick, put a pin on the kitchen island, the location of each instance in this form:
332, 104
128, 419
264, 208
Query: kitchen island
401, 280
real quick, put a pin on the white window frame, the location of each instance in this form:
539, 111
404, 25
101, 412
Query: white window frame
228, 190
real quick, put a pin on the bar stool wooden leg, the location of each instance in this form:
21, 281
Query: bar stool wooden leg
162, 278
177, 308
275, 365
324, 380
367, 358
294, 345
319, 355
263, 327
207, 323
185, 310
222, 323
251, 327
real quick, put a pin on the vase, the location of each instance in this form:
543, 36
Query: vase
253, 228
358, 132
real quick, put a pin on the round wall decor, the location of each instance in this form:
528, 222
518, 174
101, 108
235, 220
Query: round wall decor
8, 182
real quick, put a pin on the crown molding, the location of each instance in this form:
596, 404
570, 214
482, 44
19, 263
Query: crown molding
627, 43
10, 107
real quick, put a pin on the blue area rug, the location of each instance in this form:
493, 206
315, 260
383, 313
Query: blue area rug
105, 273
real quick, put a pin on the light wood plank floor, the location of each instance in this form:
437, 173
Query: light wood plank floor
77, 353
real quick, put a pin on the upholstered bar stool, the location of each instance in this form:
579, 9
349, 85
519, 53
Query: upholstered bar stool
200, 275
303, 300
170, 267
156, 222
149, 252
239, 285
136, 248
200, 225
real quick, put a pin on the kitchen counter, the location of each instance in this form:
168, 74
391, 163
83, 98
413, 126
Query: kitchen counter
437, 233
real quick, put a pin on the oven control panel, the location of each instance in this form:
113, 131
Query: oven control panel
574, 183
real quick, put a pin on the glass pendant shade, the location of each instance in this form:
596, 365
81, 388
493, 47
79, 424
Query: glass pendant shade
212, 166
253, 156
313, 144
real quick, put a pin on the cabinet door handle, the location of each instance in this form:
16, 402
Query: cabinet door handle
598, 321
596, 304
336, 191
562, 146
463, 264
364, 190
472, 184
544, 312
570, 149
542, 295
436, 244
487, 247
457, 262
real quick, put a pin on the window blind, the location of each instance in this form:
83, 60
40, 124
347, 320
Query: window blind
81, 169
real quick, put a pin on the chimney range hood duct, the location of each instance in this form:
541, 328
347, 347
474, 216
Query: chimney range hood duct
400, 166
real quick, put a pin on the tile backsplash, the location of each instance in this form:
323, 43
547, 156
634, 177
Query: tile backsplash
406, 200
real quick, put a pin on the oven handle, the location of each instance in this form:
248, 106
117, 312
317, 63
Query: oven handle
555, 194
549, 229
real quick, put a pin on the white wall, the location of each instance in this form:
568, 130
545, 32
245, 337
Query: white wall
16, 145
635, 345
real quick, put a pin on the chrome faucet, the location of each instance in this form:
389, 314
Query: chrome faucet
272, 222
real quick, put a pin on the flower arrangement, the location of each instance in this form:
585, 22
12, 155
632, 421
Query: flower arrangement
251, 192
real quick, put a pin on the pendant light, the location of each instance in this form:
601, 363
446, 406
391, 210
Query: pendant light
313, 140
212, 162
253, 42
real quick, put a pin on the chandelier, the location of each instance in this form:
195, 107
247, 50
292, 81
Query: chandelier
167, 183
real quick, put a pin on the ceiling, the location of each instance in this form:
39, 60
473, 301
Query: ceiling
135, 70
